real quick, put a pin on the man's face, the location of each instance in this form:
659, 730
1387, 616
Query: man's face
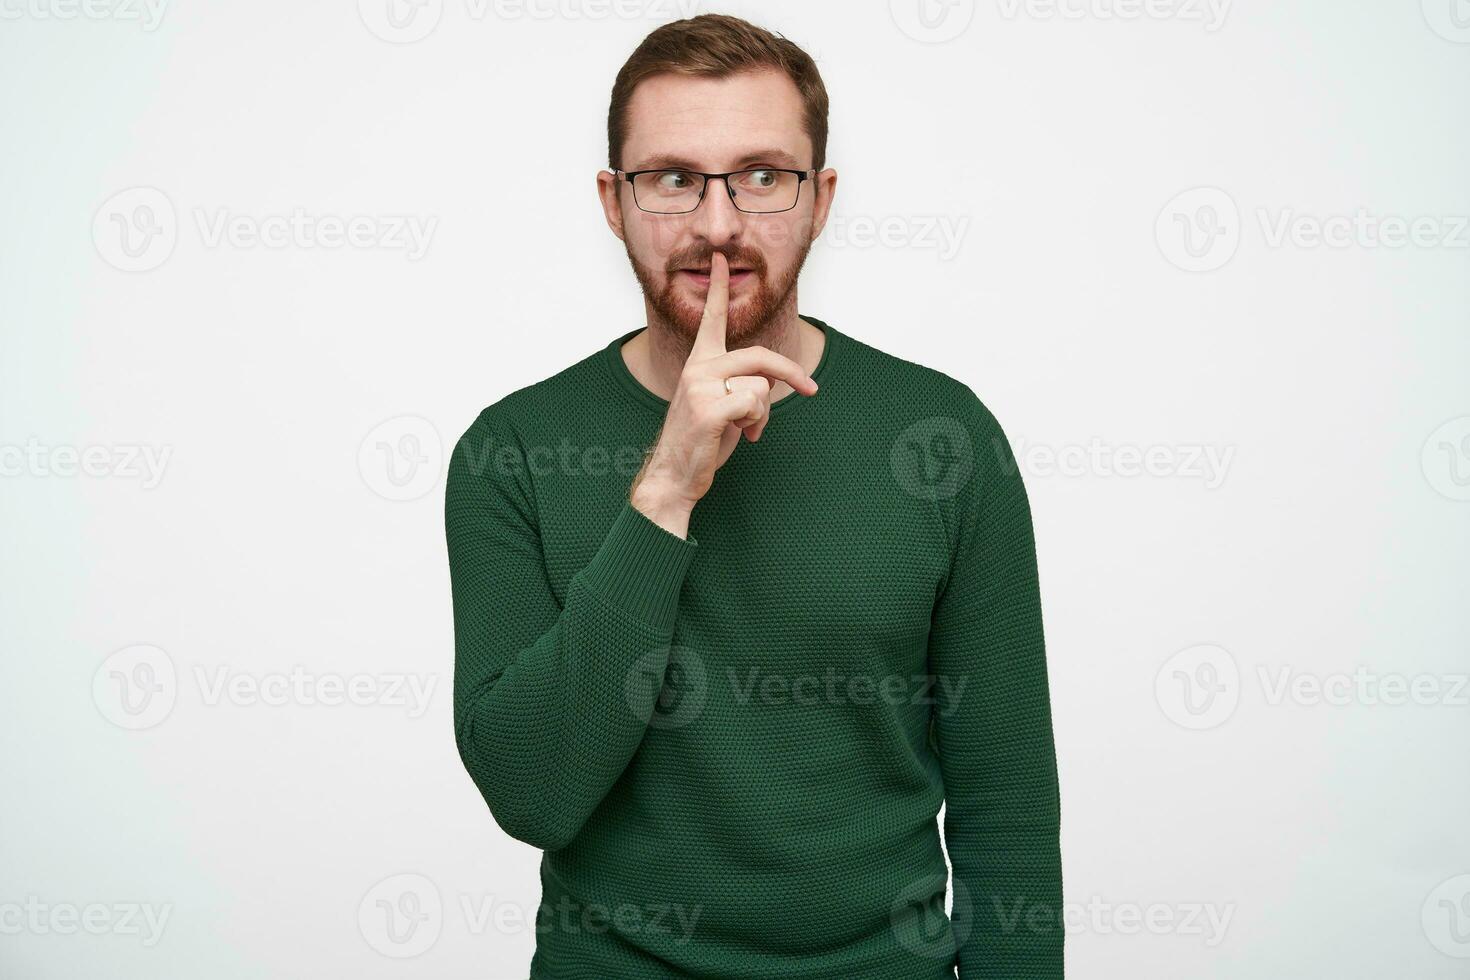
752, 119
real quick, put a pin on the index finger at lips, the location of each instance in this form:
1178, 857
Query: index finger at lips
710, 340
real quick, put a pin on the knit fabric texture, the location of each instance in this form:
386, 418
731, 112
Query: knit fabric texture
733, 747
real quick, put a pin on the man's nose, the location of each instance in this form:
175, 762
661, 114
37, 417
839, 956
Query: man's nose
717, 218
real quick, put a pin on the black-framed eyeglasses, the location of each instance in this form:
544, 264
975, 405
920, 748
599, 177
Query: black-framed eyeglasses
758, 190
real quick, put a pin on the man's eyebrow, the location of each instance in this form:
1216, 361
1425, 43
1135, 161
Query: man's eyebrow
669, 161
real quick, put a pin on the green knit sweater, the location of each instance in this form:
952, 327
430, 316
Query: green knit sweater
733, 747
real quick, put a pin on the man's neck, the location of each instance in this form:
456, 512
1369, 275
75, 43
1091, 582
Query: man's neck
656, 354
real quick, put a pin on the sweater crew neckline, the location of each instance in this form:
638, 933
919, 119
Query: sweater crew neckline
618, 368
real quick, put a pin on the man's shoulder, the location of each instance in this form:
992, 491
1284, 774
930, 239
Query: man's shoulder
578, 387
939, 432
910, 389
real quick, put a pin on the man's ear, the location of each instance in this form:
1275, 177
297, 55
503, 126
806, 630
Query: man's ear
609, 191
825, 183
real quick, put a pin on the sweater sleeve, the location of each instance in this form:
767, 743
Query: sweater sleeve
551, 699
992, 725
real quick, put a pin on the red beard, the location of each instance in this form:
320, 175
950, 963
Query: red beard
751, 311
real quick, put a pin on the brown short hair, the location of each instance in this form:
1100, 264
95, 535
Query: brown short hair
715, 46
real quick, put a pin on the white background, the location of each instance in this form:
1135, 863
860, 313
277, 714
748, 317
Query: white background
288, 395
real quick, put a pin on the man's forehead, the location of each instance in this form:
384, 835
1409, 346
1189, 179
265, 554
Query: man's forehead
716, 123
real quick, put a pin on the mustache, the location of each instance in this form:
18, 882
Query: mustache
734, 258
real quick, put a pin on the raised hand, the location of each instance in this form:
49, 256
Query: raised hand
720, 394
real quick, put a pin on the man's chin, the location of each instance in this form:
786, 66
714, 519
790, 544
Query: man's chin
739, 317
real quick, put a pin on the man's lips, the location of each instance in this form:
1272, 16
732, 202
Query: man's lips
701, 276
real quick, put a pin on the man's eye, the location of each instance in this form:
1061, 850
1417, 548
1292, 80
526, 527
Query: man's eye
674, 180
759, 181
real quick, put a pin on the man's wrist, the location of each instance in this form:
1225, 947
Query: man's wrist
662, 505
